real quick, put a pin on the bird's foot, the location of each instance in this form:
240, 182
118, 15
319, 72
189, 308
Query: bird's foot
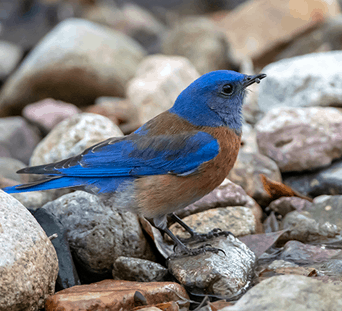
185, 251
203, 237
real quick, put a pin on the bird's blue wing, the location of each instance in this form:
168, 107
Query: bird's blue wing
138, 155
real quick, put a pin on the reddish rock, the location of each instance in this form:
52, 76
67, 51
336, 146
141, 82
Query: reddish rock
47, 113
113, 295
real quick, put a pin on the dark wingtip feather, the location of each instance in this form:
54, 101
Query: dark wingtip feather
35, 183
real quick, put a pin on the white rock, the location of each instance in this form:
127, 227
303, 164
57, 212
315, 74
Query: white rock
300, 139
158, 82
289, 293
72, 136
309, 80
28, 260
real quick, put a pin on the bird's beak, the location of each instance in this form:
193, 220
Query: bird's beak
253, 79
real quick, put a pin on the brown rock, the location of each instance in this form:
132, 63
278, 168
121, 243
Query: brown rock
254, 28
327, 36
113, 295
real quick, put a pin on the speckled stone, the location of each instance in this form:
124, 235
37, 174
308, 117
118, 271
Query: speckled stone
83, 130
136, 269
28, 261
226, 194
225, 274
99, 233
299, 139
239, 220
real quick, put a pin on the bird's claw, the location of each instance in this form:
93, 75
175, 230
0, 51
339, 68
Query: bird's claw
184, 252
202, 237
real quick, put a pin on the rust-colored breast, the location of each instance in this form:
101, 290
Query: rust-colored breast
162, 194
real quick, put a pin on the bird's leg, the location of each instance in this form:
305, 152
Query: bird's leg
199, 237
180, 248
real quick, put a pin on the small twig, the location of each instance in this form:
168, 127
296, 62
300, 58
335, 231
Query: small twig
53, 236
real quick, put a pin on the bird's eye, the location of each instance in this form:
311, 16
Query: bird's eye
227, 89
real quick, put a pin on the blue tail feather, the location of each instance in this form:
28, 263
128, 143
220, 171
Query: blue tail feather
99, 185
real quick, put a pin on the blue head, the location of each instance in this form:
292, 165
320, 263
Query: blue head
215, 99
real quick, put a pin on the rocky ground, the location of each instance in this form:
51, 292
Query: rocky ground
102, 70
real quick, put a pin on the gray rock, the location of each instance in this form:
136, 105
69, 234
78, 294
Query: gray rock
285, 205
305, 229
202, 42
327, 208
76, 62
10, 55
98, 233
249, 142
136, 269
226, 275
36, 199
28, 261
306, 254
299, 139
246, 173
327, 180
17, 138
288, 293
84, 130
130, 19
227, 194
239, 220
8, 168
302, 81
158, 82
281, 264
332, 267
250, 109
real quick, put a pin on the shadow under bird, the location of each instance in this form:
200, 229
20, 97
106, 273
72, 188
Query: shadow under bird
170, 162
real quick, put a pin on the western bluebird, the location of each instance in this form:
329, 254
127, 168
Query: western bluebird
170, 162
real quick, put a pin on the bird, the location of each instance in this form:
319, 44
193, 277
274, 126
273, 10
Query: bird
171, 161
